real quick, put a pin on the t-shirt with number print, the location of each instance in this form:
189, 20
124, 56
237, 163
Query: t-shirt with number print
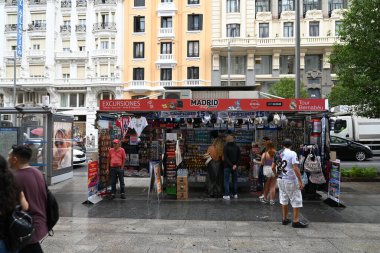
286, 158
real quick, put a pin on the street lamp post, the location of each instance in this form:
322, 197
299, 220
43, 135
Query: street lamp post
297, 51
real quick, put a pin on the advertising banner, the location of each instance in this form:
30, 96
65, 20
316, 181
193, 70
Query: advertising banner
334, 182
92, 182
20, 26
285, 105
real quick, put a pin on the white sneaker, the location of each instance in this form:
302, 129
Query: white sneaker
226, 197
235, 196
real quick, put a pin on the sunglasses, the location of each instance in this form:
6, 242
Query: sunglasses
58, 143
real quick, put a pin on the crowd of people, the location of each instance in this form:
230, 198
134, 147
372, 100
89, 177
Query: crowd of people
275, 168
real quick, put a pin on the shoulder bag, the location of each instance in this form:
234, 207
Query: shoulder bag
20, 229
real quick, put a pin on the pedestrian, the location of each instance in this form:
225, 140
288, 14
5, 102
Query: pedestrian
215, 168
31, 181
261, 168
115, 166
289, 183
270, 178
231, 159
10, 196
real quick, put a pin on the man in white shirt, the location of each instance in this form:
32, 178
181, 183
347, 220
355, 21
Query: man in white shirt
289, 183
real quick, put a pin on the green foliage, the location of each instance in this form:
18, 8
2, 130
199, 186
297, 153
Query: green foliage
338, 95
286, 88
359, 172
357, 59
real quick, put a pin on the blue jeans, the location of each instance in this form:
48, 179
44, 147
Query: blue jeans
114, 173
4, 249
227, 172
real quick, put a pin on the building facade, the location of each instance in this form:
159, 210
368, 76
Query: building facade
72, 52
167, 43
259, 36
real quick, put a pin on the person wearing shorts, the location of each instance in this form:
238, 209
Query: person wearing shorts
289, 183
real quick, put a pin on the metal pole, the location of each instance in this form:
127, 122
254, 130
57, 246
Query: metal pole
14, 78
297, 53
229, 64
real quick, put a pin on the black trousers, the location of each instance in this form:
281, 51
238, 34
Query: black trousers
215, 178
32, 248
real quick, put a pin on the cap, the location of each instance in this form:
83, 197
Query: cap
116, 141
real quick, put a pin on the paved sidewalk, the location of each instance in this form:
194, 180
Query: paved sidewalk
210, 225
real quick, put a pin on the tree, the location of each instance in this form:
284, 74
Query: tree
286, 88
357, 59
338, 95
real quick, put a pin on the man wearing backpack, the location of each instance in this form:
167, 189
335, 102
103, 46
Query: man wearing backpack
32, 183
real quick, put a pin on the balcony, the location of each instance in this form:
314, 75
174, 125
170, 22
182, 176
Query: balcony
81, 3
193, 82
37, 5
70, 82
166, 32
166, 60
36, 56
10, 28
66, 29
9, 57
32, 82
68, 55
166, 9
80, 28
11, 3
37, 27
104, 53
66, 4
104, 27
273, 42
105, 3
166, 83
104, 80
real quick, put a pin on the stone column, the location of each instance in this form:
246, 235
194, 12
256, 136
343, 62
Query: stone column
250, 75
276, 63
215, 72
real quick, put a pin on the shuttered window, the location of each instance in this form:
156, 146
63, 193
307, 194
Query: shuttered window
103, 70
36, 71
10, 71
81, 73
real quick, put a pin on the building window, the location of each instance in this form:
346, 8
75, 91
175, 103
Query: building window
73, 99
82, 48
311, 5
105, 96
238, 65
138, 74
166, 1
166, 22
139, 3
263, 65
287, 64
139, 24
66, 76
166, 75
190, 2
1, 100
338, 26
193, 73
194, 22
166, 48
36, 47
314, 29
233, 30
104, 45
233, 6
313, 62
138, 50
286, 5
264, 30
337, 4
262, 6
193, 48
288, 29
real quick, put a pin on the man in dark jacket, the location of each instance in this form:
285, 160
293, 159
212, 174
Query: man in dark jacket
231, 159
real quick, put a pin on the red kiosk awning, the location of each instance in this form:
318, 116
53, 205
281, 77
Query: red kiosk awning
280, 105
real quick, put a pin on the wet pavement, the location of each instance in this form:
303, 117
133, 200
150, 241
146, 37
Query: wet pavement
201, 224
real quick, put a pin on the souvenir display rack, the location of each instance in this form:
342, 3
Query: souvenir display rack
170, 173
104, 147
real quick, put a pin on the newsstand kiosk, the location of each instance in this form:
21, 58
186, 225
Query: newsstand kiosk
47, 133
177, 132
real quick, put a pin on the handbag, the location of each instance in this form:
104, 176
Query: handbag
20, 229
52, 211
313, 166
317, 178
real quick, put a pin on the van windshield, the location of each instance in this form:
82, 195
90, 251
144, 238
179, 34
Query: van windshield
340, 125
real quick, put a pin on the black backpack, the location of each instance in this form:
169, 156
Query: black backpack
52, 211
20, 229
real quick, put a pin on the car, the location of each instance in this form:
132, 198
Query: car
349, 150
79, 157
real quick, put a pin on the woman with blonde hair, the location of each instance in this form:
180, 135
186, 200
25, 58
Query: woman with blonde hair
215, 168
270, 178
